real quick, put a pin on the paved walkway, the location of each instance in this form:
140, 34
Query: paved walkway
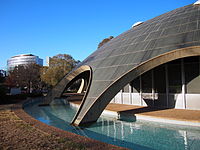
172, 114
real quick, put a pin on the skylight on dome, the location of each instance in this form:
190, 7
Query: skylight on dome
197, 2
137, 24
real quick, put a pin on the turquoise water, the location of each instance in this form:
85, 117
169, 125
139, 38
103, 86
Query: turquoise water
139, 135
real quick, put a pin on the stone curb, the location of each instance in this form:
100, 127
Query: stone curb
87, 142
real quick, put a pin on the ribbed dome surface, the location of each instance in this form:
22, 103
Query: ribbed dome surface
113, 63
173, 30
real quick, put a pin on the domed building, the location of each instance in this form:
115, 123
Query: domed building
156, 63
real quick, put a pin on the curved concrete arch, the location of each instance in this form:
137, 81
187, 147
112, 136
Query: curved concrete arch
95, 108
66, 81
164, 38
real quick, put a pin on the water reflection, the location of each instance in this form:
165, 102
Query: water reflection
133, 135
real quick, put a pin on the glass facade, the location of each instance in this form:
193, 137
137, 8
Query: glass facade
135, 85
192, 78
172, 85
23, 60
174, 76
159, 79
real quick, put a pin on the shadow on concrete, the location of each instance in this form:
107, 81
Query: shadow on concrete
129, 115
142, 110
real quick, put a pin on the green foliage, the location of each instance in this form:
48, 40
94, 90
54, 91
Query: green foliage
59, 66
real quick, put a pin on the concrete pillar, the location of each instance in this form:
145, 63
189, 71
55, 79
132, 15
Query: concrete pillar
183, 83
152, 81
141, 100
130, 95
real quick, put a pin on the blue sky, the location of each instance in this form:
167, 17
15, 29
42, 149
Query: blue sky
75, 27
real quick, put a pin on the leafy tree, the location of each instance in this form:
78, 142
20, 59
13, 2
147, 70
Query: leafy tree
25, 76
59, 65
105, 41
2, 87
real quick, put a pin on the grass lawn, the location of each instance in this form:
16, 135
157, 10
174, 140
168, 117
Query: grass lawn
17, 134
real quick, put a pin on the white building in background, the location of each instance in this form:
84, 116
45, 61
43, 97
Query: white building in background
48, 60
23, 59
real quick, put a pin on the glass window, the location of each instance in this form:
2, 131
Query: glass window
192, 76
122, 90
174, 76
147, 82
126, 88
159, 79
135, 85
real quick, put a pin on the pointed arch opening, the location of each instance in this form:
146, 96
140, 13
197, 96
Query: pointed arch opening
76, 89
68, 81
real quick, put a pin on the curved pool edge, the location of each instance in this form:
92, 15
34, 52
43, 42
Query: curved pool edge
125, 116
87, 142
168, 121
